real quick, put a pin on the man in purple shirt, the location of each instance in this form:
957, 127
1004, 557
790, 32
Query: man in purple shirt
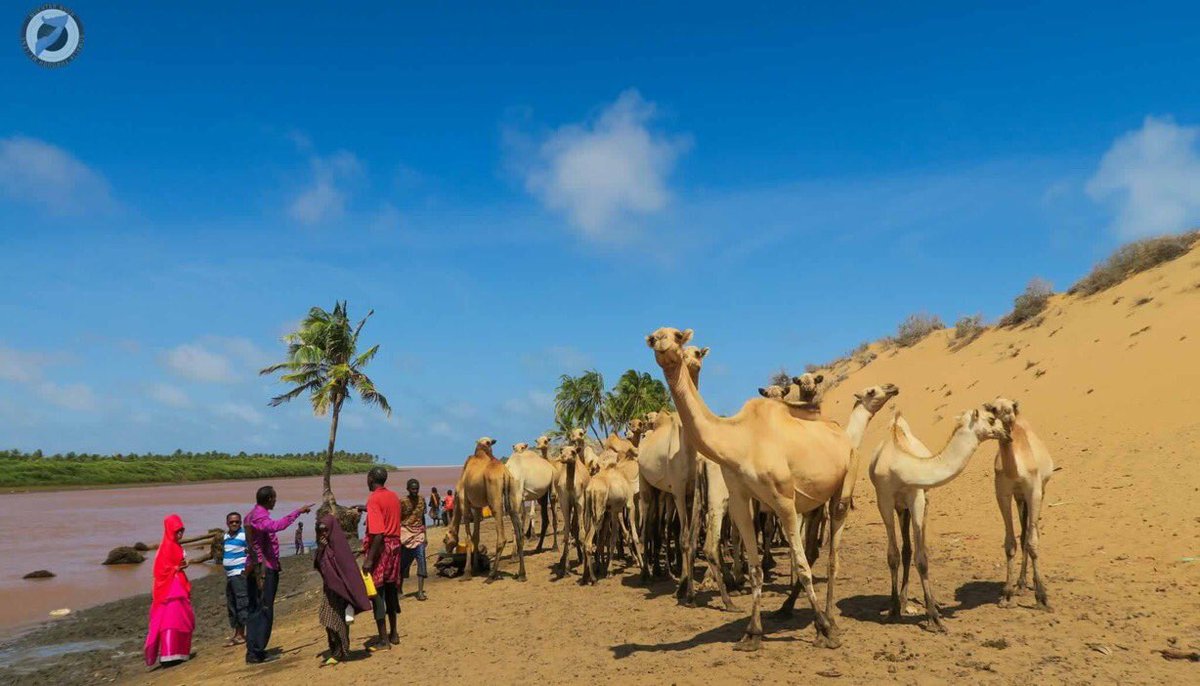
263, 544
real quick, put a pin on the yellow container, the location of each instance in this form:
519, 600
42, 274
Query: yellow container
369, 583
487, 511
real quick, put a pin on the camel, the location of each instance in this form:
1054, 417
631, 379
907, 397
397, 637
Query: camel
571, 476
789, 465
633, 437
535, 476
485, 481
1023, 467
902, 471
608, 498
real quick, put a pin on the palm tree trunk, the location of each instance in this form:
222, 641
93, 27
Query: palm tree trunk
333, 425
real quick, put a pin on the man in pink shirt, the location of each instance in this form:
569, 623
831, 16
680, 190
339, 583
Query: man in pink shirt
263, 545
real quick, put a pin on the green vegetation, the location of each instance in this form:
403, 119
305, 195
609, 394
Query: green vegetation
1029, 303
582, 402
1133, 258
967, 329
323, 361
915, 328
24, 470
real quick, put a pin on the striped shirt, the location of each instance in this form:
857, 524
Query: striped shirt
235, 553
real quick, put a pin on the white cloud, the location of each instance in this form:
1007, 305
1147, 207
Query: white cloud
21, 366
168, 395
44, 175
325, 198
195, 362
557, 359
1151, 177
443, 429
604, 174
532, 403
28, 368
75, 396
240, 411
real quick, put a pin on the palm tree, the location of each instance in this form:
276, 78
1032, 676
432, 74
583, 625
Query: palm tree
635, 394
579, 401
323, 361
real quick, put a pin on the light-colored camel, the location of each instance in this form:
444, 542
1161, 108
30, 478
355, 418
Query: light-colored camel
789, 465
535, 476
1023, 467
902, 471
486, 482
608, 501
571, 476
632, 438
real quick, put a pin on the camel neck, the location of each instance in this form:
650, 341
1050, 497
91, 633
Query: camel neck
943, 467
702, 426
856, 426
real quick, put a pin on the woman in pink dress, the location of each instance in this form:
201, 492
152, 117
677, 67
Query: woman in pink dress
169, 639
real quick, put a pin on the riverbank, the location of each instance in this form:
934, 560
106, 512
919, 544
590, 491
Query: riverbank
18, 476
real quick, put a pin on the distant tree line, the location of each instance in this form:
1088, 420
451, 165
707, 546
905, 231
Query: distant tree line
184, 455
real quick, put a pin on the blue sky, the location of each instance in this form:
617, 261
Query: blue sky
521, 193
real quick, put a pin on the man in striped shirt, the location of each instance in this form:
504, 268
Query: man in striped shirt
237, 597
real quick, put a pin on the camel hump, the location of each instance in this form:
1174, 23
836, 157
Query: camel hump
904, 439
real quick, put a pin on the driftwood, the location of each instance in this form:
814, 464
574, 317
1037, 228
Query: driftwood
132, 555
39, 574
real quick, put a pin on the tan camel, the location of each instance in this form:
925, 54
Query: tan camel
486, 482
633, 437
789, 465
571, 476
535, 476
902, 471
1023, 468
608, 501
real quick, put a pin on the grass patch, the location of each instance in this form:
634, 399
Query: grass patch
1134, 258
1029, 303
966, 330
915, 328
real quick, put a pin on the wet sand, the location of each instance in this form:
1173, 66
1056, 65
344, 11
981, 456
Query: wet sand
70, 533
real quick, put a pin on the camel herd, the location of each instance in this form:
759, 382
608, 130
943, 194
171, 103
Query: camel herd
778, 464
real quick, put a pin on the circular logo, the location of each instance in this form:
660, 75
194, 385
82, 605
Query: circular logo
52, 36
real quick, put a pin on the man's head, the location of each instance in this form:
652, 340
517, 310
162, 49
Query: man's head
414, 487
449, 491
266, 497
299, 526
233, 522
376, 477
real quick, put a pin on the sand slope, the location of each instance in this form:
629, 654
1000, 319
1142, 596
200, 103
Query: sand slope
1111, 386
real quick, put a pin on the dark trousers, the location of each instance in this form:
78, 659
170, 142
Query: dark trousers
386, 601
261, 617
237, 600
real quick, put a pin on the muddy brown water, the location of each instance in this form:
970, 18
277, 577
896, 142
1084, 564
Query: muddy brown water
71, 532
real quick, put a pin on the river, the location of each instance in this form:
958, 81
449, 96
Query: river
71, 532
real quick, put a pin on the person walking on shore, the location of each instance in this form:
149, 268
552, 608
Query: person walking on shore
381, 550
169, 638
412, 537
237, 594
448, 507
342, 585
264, 552
435, 506
299, 538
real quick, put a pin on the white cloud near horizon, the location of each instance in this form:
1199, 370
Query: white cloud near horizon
28, 368
48, 177
604, 174
169, 395
1151, 178
324, 199
240, 411
215, 359
72, 396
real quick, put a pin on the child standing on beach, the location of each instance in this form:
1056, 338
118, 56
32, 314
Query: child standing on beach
299, 537
412, 537
237, 595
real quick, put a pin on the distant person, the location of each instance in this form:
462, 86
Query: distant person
169, 639
381, 550
299, 538
448, 507
237, 594
342, 583
435, 506
412, 537
264, 552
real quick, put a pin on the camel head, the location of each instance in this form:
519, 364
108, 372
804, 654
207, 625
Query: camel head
637, 427
484, 446
542, 442
1007, 410
568, 454
807, 386
693, 357
875, 397
985, 424
667, 344
577, 437
773, 392
450, 541
651, 419
520, 448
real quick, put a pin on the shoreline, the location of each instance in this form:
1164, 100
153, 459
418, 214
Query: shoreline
53, 488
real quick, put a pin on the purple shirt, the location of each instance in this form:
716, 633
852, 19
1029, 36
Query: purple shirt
264, 544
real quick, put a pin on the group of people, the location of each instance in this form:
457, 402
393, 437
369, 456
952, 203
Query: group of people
395, 538
441, 509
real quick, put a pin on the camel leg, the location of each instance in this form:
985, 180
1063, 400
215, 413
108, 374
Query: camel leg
918, 525
1033, 514
887, 510
906, 560
1023, 516
553, 518
631, 534
566, 504
543, 505
685, 574
645, 495
512, 502
743, 518
693, 541
838, 511
1004, 499
827, 633
473, 550
496, 504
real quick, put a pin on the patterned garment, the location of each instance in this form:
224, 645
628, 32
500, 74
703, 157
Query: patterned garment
234, 553
387, 567
332, 615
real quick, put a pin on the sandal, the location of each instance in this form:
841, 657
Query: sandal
329, 662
